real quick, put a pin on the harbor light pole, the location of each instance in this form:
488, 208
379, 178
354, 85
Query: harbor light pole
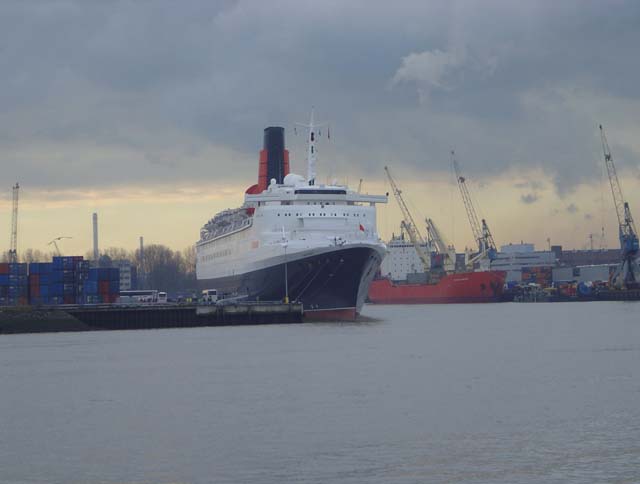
286, 276
285, 243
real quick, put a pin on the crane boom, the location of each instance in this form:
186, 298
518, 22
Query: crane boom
622, 208
54, 242
447, 250
480, 229
435, 237
408, 224
627, 274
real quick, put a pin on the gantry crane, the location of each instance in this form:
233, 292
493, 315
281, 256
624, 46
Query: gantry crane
627, 274
441, 246
13, 245
481, 233
409, 225
54, 242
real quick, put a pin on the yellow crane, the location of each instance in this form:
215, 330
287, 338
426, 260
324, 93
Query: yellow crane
481, 233
409, 225
440, 244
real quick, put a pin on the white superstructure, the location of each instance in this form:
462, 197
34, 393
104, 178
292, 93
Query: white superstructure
513, 258
295, 217
402, 259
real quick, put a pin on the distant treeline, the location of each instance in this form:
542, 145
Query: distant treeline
162, 268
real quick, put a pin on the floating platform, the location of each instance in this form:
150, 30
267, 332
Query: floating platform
26, 319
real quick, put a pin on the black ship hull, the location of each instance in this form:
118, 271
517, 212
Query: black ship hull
330, 285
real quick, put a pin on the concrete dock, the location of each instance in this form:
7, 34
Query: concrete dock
14, 320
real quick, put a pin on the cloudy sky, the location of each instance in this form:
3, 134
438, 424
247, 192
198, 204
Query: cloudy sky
151, 113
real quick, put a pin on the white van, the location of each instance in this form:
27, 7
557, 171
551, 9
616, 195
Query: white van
210, 295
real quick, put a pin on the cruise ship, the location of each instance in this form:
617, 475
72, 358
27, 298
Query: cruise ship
294, 239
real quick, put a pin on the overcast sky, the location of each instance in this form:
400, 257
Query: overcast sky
152, 112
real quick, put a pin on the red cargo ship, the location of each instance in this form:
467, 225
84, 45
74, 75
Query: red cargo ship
464, 287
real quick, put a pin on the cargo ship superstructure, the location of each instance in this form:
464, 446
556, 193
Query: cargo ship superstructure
293, 239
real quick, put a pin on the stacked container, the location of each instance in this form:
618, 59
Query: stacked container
4, 284
82, 268
68, 275
66, 280
39, 282
102, 286
14, 289
539, 275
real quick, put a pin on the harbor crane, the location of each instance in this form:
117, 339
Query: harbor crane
481, 233
13, 245
54, 242
627, 274
409, 225
441, 246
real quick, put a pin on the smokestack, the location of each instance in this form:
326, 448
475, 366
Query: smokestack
141, 268
96, 252
274, 158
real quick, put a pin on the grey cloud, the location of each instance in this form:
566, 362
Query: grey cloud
532, 184
529, 198
101, 92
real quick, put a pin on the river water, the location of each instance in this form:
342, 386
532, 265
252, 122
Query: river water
496, 393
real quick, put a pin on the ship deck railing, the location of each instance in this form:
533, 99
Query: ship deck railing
228, 230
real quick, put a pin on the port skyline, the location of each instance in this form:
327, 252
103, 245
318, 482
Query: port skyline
172, 216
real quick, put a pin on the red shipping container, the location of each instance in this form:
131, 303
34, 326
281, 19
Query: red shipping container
4, 268
103, 287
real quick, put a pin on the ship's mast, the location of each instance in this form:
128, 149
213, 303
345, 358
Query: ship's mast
313, 132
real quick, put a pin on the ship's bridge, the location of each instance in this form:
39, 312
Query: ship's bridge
290, 195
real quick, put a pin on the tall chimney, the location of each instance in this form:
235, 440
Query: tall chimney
141, 268
274, 158
96, 252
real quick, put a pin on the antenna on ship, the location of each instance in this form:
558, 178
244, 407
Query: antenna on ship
312, 152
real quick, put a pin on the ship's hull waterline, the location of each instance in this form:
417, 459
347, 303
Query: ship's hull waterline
331, 285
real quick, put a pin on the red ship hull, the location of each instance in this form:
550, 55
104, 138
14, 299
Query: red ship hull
466, 287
